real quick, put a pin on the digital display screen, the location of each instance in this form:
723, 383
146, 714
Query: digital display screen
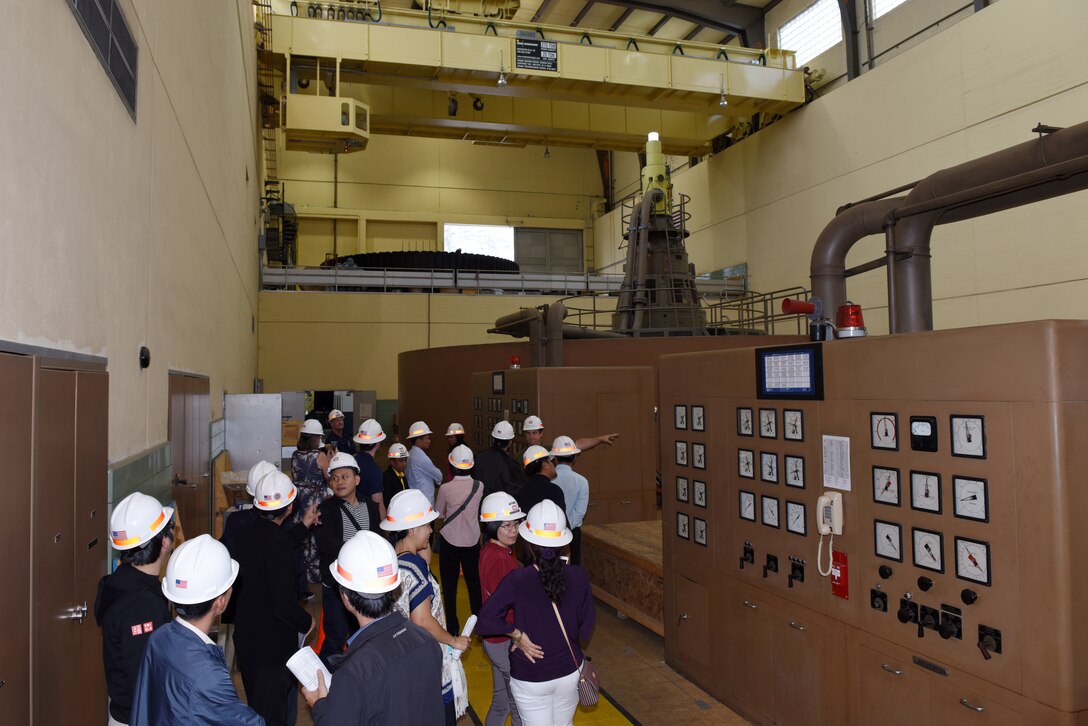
790, 372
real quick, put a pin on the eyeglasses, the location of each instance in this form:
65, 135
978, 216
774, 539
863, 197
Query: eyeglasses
509, 526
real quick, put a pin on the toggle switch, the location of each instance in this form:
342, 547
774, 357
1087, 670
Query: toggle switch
749, 555
989, 641
927, 618
771, 566
797, 573
908, 611
878, 600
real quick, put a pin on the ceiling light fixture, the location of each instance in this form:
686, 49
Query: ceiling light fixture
547, 153
722, 102
502, 73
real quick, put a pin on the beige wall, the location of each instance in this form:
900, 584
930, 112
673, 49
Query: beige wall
118, 234
973, 89
323, 341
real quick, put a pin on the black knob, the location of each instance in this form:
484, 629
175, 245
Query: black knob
885, 572
905, 613
986, 644
968, 596
947, 628
924, 583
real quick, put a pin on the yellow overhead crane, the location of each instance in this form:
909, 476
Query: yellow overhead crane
491, 80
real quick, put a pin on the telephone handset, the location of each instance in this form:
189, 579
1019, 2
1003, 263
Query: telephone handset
829, 513
828, 522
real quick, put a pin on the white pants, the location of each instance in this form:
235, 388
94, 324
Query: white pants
547, 703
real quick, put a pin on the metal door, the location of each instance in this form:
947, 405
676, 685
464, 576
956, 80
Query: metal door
16, 401
56, 629
91, 530
189, 418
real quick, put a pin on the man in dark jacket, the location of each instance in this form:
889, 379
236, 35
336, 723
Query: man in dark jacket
370, 474
341, 517
268, 619
130, 605
540, 484
395, 479
392, 670
496, 467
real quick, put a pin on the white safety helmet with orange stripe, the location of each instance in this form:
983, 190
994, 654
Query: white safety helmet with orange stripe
198, 571
408, 509
455, 429
563, 446
370, 433
136, 520
534, 453
367, 564
275, 491
500, 507
462, 458
532, 423
256, 472
312, 427
546, 526
397, 451
419, 428
503, 431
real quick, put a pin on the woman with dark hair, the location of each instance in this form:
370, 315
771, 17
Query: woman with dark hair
408, 522
310, 469
553, 615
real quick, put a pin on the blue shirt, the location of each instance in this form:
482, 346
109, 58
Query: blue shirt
370, 474
356, 633
576, 493
422, 473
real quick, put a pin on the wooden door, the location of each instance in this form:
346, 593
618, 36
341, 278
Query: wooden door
16, 427
801, 670
749, 632
91, 529
188, 431
55, 627
893, 692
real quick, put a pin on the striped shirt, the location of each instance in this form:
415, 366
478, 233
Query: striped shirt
359, 511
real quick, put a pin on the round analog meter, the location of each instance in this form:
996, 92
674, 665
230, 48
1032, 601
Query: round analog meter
883, 430
968, 436
793, 424
973, 560
770, 511
795, 471
768, 467
886, 486
768, 423
746, 464
888, 540
971, 499
748, 506
744, 421
795, 517
928, 550
925, 491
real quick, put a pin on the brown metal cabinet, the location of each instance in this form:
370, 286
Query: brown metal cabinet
693, 618
953, 706
892, 691
16, 401
749, 634
800, 670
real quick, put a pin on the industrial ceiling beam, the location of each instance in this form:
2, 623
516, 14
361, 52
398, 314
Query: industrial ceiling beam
659, 25
694, 31
724, 15
541, 10
621, 20
582, 14
850, 38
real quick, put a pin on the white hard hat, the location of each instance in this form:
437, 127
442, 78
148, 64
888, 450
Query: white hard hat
136, 520
370, 432
546, 526
461, 458
564, 446
275, 491
257, 471
397, 451
335, 413
343, 460
503, 431
454, 429
312, 426
407, 509
500, 507
533, 453
198, 571
367, 563
418, 429
532, 423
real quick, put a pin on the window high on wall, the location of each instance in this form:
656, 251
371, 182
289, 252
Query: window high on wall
480, 239
812, 31
882, 6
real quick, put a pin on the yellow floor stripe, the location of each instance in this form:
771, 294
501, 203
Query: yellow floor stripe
478, 673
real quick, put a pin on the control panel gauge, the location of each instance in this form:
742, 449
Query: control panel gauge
744, 421
682, 489
888, 540
795, 518
770, 511
698, 418
680, 414
795, 471
747, 506
698, 456
746, 463
884, 430
968, 436
698, 493
768, 423
700, 531
681, 453
923, 433
682, 524
971, 498
768, 467
886, 486
793, 424
973, 560
928, 549
925, 491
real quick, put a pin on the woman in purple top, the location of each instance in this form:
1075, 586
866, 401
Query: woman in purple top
545, 664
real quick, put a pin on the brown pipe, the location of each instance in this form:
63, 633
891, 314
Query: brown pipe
911, 308
828, 266
553, 333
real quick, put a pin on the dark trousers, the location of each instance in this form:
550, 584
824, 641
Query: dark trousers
576, 546
270, 691
452, 560
336, 621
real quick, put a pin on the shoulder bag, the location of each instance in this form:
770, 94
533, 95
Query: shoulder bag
589, 680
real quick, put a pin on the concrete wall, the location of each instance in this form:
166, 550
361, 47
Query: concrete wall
973, 89
117, 234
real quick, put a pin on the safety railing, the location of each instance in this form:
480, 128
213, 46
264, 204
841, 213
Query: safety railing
758, 312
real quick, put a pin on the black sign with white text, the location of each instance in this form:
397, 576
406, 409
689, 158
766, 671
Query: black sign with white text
536, 55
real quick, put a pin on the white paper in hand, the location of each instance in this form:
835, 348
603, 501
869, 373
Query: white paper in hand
469, 625
304, 665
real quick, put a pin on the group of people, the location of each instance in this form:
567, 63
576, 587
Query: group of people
391, 633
